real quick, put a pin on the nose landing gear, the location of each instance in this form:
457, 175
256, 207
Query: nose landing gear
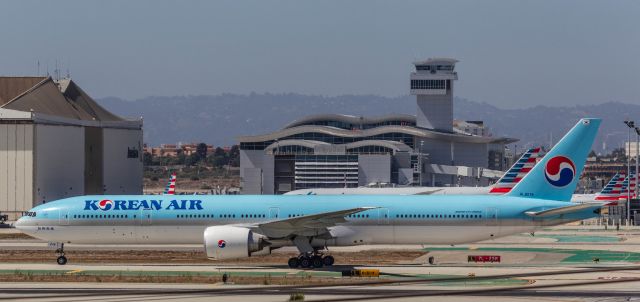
62, 260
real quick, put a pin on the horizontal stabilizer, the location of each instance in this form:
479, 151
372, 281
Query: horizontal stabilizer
564, 210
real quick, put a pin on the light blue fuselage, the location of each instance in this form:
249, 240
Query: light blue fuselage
396, 219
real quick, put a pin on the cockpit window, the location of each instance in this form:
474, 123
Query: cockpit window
30, 214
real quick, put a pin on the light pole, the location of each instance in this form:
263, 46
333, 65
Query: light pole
637, 156
631, 125
420, 161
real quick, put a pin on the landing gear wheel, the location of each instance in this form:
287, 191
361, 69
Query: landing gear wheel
328, 260
305, 262
294, 262
62, 260
316, 261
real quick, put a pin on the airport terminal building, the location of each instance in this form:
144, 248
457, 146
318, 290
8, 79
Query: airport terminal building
335, 150
57, 142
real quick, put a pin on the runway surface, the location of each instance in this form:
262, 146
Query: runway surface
572, 285
555, 265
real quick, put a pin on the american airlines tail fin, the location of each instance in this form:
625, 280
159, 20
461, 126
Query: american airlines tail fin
630, 181
556, 176
519, 169
613, 189
170, 189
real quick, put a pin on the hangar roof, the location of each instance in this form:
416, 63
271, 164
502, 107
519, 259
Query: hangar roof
10, 87
43, 95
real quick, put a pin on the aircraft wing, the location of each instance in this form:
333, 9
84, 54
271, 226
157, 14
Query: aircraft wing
307, 225
429, 192
563, 210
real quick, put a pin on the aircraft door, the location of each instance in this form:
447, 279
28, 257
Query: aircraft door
274, 213
144, 234
64, 217
146, 217
383, 216
491, 216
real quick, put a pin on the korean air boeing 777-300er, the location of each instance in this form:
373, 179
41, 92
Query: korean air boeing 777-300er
237, 226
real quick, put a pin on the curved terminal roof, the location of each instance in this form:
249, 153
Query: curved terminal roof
297, 142
313, 144
395, 146
372, 132
351, 119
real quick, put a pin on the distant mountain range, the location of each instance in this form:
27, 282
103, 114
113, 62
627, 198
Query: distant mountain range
220, 119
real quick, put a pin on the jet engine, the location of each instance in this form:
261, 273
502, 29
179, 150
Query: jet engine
230, 242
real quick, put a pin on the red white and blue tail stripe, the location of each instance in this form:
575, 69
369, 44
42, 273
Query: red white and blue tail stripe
516, 172
624, 194
613, 190
170, 189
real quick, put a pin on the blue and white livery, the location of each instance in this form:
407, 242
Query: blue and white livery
236, 226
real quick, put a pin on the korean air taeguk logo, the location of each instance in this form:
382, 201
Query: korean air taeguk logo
560, 171
105, 204
222, 244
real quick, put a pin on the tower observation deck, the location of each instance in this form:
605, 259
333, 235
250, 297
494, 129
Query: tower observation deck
432, 84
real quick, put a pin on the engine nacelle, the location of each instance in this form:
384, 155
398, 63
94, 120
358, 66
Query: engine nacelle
264, 252
230, 242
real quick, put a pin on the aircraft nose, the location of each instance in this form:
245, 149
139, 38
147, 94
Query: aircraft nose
19, 224
24, 225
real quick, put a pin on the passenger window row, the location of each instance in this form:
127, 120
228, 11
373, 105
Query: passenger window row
220, 216
456, 216
195, 216
358, 215
295, 215
253, 216
117, 216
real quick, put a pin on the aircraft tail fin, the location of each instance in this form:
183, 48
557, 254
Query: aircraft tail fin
613, 190
170, 189
629, 184
556, 176
519, 170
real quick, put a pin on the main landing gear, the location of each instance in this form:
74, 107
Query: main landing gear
310, 257
311, 260
62, 260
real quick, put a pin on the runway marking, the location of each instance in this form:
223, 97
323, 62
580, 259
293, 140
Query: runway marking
528, 288
321, 289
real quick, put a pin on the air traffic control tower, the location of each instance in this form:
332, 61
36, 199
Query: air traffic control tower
432, 84
330, 150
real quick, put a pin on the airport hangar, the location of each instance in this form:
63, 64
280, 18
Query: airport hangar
57, 142
335, 150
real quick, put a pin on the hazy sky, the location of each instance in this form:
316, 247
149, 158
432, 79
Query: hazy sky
512, 53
